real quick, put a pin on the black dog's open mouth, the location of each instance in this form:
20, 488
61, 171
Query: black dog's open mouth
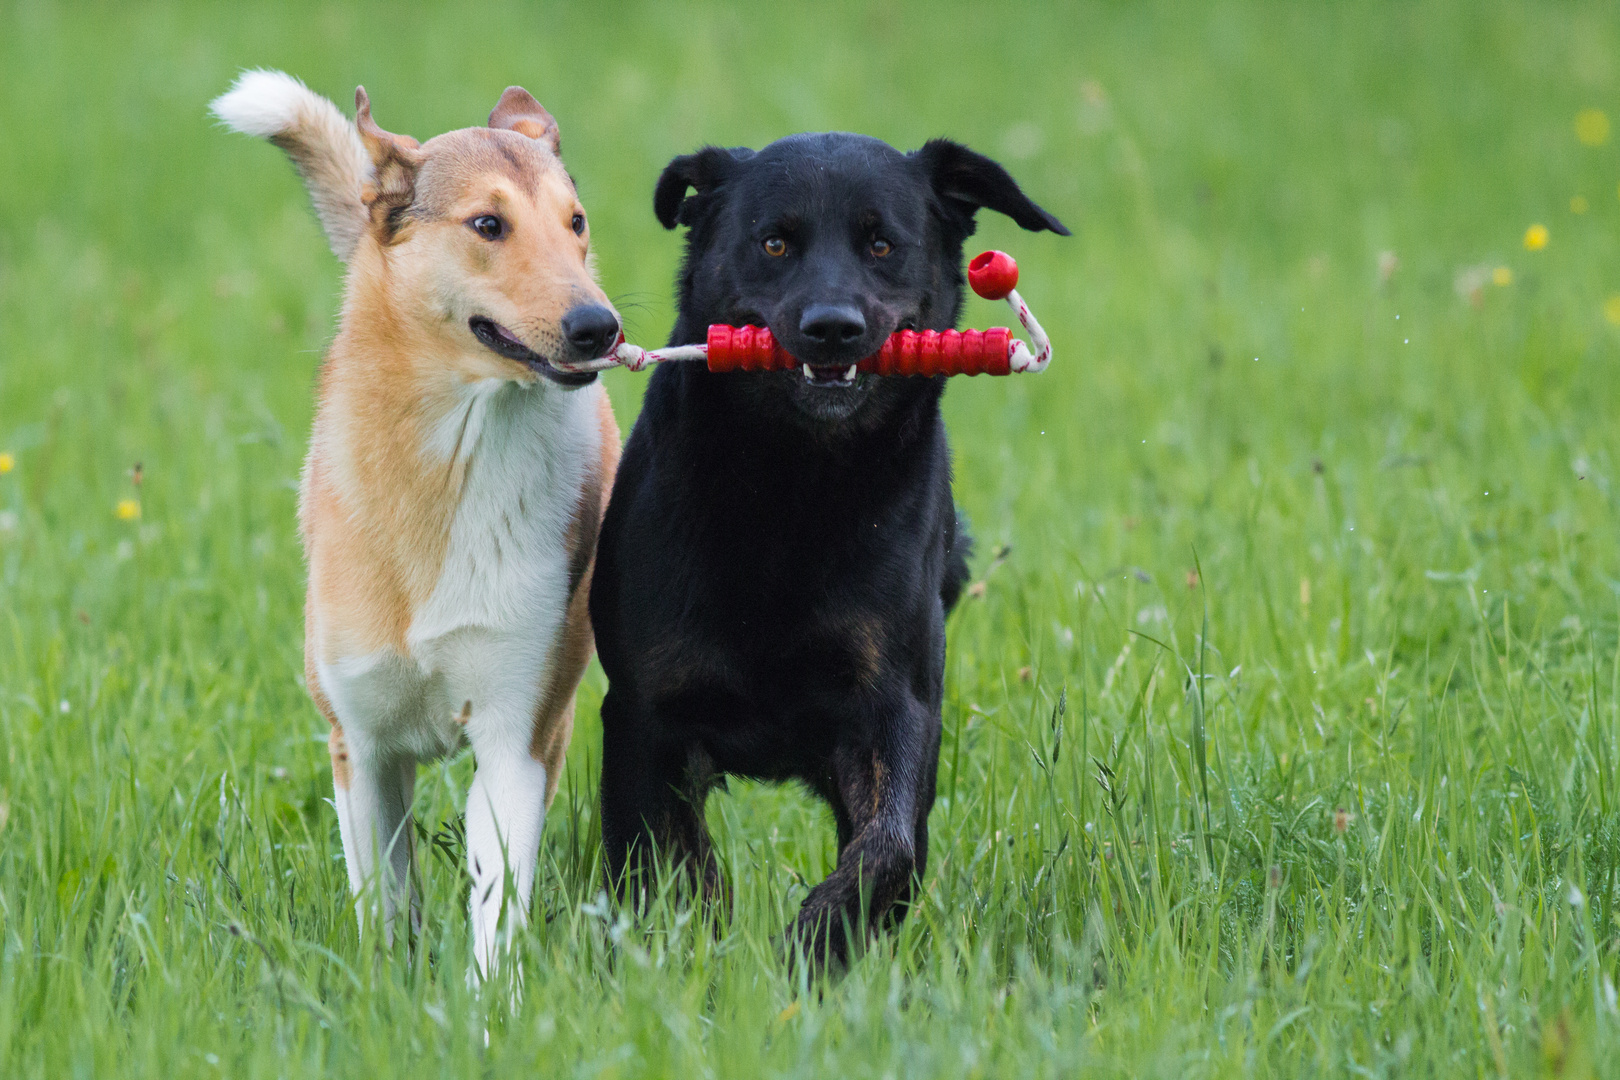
498, 339
842, 376
823, 375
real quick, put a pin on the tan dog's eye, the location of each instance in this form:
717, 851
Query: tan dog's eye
775, 247
488, 226
880, 248
579, 224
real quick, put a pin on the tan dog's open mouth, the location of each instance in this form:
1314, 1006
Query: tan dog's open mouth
499, 339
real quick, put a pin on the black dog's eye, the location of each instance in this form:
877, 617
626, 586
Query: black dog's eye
775, 247
488, 226
881, 247
579, 224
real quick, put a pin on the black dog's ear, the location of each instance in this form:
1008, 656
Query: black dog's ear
965, 181
703, 171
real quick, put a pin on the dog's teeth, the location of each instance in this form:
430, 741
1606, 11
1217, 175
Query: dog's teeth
808, 377
849, 376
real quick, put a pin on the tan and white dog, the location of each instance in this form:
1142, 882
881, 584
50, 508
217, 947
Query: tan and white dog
455, 479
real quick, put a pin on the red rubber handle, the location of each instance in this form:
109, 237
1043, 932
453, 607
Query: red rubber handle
909, 352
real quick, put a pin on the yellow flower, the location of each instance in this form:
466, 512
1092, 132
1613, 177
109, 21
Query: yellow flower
128, 510
1578, 205
1535, 238
1592, 127
1501, 276
8, 461
1611, 309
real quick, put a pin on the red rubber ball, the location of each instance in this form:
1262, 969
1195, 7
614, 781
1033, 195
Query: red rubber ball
993, 274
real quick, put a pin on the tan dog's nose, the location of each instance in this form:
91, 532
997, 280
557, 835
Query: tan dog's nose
591, 330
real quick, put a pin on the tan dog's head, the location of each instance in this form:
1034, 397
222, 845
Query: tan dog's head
481, 233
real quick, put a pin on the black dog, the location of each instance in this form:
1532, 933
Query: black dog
781, 549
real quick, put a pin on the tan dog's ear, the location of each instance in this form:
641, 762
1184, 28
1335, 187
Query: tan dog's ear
394, 160
518, 111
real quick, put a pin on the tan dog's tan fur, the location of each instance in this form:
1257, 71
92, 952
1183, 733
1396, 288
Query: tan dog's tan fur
452, 495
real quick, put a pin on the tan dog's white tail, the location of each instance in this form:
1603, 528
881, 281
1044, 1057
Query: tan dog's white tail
323, 143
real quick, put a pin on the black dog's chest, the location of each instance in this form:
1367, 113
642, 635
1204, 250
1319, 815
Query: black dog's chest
790, 619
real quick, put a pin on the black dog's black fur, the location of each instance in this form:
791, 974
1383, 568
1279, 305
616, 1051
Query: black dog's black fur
778, 556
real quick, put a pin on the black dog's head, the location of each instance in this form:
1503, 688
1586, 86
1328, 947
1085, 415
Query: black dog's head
834, 241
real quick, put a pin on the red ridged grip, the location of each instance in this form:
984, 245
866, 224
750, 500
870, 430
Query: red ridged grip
909, 352
746, 348
951, 352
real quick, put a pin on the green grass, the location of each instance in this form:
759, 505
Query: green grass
1401, 498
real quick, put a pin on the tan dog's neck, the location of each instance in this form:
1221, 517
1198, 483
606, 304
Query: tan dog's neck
392, 434
392, 332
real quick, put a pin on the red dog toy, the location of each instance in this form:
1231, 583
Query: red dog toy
993, 275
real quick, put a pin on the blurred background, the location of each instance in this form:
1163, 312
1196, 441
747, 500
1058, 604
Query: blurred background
1331, 415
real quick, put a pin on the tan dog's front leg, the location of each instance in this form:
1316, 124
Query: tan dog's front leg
373, 799
506, 808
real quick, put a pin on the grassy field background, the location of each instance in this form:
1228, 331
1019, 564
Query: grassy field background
1345, 803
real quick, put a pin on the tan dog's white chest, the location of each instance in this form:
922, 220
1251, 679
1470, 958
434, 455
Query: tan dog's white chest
486, 633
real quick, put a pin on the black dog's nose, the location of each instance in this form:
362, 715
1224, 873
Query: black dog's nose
832, 324
591, 329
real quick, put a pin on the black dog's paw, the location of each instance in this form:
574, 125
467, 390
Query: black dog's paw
821, 957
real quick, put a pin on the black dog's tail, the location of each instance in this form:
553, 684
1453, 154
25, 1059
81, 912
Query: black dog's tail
958, 546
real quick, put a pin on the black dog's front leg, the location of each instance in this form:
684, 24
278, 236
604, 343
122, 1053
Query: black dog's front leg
884, 787
652, 805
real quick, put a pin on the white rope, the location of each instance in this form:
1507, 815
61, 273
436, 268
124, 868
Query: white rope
635, 357
1019, 357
